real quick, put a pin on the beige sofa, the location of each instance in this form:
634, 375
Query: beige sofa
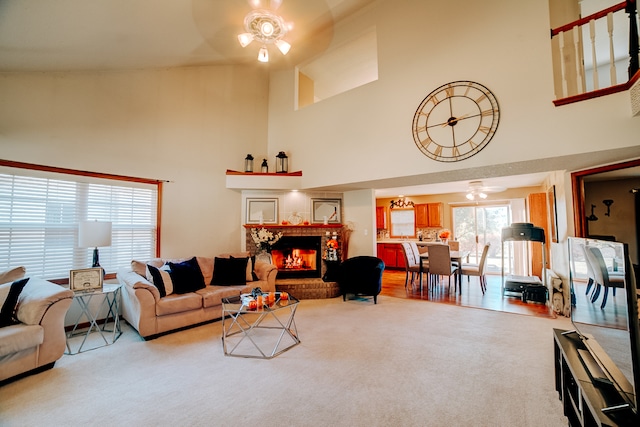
146, 309
38, 340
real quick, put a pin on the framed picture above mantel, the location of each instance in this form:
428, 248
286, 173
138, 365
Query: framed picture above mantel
326, 211
262, 211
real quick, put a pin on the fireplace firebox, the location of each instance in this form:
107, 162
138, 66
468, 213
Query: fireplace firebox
298, 256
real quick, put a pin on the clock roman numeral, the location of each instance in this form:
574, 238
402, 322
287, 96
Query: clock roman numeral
484, 129
486, 113
449, 91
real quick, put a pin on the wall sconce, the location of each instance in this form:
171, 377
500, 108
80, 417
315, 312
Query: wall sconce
282, 163
592, 217
248, 163
608, 204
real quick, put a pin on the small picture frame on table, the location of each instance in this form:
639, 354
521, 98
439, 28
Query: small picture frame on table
86, 279
326, 210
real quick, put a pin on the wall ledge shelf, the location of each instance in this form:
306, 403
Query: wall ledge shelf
268, 226
263, 181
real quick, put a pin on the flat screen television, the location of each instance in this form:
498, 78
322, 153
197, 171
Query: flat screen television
614, 327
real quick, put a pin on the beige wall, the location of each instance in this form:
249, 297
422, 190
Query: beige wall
365, 134
187, 126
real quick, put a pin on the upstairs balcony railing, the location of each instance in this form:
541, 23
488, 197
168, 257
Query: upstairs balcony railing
596, 55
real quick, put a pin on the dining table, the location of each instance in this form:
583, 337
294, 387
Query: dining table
456, 256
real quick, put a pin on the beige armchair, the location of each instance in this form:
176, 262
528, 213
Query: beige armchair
38, 340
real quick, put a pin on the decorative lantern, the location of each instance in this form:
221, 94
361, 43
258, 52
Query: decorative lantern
265, 167
248, 163
282, 163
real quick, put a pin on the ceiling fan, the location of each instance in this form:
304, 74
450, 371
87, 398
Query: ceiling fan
477, 190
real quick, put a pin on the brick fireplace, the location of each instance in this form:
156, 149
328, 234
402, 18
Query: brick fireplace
324, 232
302, 284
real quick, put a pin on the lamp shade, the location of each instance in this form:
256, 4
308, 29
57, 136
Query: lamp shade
93, 234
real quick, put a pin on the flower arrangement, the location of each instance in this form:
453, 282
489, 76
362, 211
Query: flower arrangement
264, 238
444, 234
332, 244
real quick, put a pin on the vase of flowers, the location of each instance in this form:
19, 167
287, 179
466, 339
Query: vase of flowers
444, 235
264, 240
331, 254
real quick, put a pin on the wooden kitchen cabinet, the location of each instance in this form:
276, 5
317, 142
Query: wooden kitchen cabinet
429, 215
381, 217
392, 255
538, 216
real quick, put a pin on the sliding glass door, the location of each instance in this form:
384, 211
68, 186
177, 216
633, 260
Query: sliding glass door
475, 225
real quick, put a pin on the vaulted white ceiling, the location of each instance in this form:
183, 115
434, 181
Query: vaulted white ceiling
62, 35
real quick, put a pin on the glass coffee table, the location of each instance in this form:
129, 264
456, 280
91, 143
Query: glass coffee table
259, 332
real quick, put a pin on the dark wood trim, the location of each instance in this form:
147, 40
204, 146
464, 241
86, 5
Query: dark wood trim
232, 172
598, 93
577, 189
159, 218
267, 226
44, 168
600, 14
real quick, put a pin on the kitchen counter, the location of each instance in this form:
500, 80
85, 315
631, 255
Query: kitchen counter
416, 241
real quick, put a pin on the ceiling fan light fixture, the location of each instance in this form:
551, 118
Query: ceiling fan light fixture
266, 27
245, 39
263, 54
283, 46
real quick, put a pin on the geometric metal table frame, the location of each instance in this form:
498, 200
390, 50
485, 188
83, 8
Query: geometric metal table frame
110, 294
259, 333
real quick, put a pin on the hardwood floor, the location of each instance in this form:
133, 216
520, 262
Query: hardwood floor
471, 296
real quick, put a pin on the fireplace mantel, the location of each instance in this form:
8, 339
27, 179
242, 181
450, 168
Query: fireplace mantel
289, 226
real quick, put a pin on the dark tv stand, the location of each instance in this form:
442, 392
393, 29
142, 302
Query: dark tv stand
589, 398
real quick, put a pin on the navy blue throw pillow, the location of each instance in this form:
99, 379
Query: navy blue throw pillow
8, 311
186, 276
229, 271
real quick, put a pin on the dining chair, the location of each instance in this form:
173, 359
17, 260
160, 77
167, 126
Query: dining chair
472, 269
412, 262
601, 275
454, 245
590, 274
440, 264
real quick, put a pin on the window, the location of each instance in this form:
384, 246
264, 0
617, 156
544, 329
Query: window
40, 211
403, 223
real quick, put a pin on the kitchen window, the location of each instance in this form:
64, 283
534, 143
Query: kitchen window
403, 223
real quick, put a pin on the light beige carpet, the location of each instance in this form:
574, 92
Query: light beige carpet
400, 362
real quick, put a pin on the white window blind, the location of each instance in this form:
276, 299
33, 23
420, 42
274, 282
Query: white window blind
40, 212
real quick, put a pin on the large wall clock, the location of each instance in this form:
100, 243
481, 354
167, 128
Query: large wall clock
455, 121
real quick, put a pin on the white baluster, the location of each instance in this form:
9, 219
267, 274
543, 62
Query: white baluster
592, 35
579, 62
612, 58
563, 71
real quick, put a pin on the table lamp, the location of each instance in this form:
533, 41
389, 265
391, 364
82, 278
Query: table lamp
92, 234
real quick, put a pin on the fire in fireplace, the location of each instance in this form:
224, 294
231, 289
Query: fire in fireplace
297, 256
